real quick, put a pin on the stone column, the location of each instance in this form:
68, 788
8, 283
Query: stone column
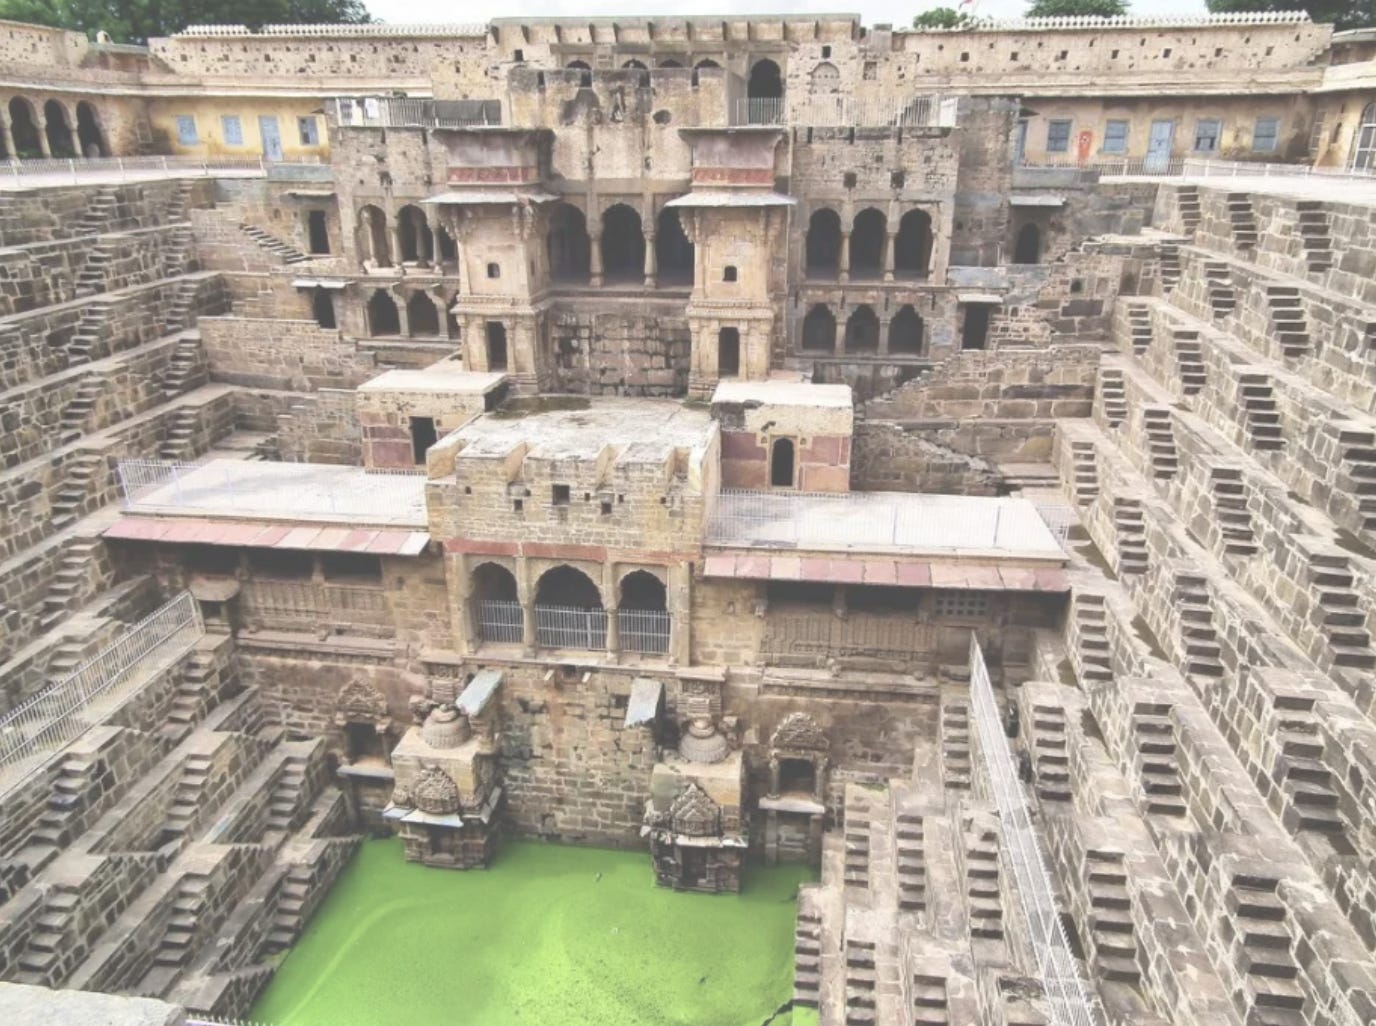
845, 257
613, 635
394, 238
595, 259
526, 595
680, 609
9, 139
403, 318
42, 121
888, 255
467, 633
884, 323
840, 344
651, 267
370, 244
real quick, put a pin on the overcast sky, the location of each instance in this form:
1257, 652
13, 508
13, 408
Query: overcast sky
895, 12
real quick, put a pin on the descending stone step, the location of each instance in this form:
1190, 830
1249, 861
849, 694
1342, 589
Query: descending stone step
1189, 360
857, 848
982, 891
70, 501
287, 254
1130, 532
1115, 404
1085, 463
179, 444
861, 983
1261, 414
1358, 472
1091, 639
1218, 279
930, 1006
1170, 266
1262, 946
1231, 513
1187, 199
807, 959
1157, 759
1160, 429
912, 869
1050, 755
1314, 235
1203, 655
1139, 328
1110, 916
1288, 326
955, 744
69, 582
76, 415
1241, 220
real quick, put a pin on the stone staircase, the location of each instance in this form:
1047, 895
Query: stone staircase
1199, 639
1262, 952
1285, 309
77, 413
192, 697
186, 797
1341, 618
85, 337
271, 244
1234, 519
1187, 200
955, 744
857, 847
184, 368
1139, 328
49, 936
1091, 639
1130, 532
1157, 759
283, 807
1218, 280
1110, 916
179, 444
1189, 361
76, 489
1115, 403
807, 959
1170, 266
1359, 472
91, 278
99, 212
56, 825
73, 572
1314, 235
179, 202
181, 311
1085, 466
179, 937
1160, 431
929, 1000
912, 869
861, 982
982, 878
1311, 799
1241, 220
1050, 756
1260, 414
289, 915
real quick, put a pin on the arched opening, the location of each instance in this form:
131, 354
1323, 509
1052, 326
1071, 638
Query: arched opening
417, 242
568, 245
671, 63
322, 308
584, 70
371, 237
728, 352
422, 318
819, 329
1364, 145
708, 63
568, 611
423, 436
496, 605
797, 776
862, 331
24, 128
912, 246
623, 245
448, 248
643, 613
317, 231
905, 332
88, 132
673, 251
643, 79
496, 345
823, 246
1028, 247
825, 78
59, 130
383, 318
766, 81
867, 244
781, 459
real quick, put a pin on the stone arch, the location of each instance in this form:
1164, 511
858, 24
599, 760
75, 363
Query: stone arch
867, 237
383, 318
766, 81
642, 79
1027, 248
674, 254
493, 582
414, 237
623, 244
822, 249
362, 718
567, 586
906, 331
322, 308
641, 589
584, 70
705, 63
862, 330
1364, 143
371, 236
912, 246
567, 244
825, 77
422, 316
782, 463
61, 139
798, 757
819, 329
90, 136
24, 128
670, 63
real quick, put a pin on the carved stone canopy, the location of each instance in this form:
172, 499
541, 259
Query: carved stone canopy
434, 792
445, 728
360, 702
799, 733
695, 814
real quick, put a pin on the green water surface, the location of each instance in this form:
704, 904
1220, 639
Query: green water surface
548, 935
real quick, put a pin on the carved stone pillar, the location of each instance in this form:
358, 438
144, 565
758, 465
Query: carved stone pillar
595, 259
888, 255
845, 257
9, 139
651, 267
43, 146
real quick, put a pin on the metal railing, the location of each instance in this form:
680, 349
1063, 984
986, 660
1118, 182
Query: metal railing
755, 110
56, 715
129, 169
642, 630
500, 620
1018, 839
570, 627
878, 521
1188, 167
414, 112
1059, 519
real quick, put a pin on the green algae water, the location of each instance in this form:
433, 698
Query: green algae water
549, 935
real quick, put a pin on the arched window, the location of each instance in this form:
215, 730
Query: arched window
448, 248
728, 352
1364, 145
417, 242
912, 246
383, 318
708, 63
673, 251
322, 308
61, 142
905, 332
641, 589
422, 318
766, 81
568, 245
862, 331
89, 133
823, 246
819, 329
585, 73
643, 613
1028, 248
867, 244
643, 79
371, 237
495, 604
623, 245
671, 63
826, 77
496, 346
24, 128
781, 455
568, 611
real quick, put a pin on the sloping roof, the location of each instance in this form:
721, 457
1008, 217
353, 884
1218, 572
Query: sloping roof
257, 535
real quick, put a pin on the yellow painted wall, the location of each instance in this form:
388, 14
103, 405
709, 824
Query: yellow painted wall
1342, 115
210, 135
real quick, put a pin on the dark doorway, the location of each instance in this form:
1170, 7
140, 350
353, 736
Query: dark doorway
88, 132
317, 231
728, 352
449, 249
422, 437
565, 586
642, 79
823, 256
1028, 248
623, 245
60, 140
496, 346
905, 332
974, 329
766, 81
862, 331
781, 463
867, 244
322, 307
361, 741
568, 245
24, 129
383, 318
673, 252
422, 317
584, 73
912, 246
797, 776
417, 242
819, 329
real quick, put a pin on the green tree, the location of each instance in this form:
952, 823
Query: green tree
1077, 8
137, 21
941, 18
1344, 14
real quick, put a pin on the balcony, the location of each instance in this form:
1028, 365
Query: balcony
412, 112
639, 631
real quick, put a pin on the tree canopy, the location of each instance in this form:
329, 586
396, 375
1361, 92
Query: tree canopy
1344, 14
137, 21
942, 18
1077, 8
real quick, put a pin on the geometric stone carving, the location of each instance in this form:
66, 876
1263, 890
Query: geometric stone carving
360, 702
435, 792
694, 814
799, 732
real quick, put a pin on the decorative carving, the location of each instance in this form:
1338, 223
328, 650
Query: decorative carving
800, 733
445, 728
694, 814
702, 742
435, 793
360, 702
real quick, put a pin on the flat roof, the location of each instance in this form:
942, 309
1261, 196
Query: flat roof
732, 198
654, 427
783, 392
379, 541
437, 378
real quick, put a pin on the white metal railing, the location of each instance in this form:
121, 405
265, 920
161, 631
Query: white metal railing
1191, 167
879, 520
296, 491
1021, 850
1058, 519
642, 630
570, 627
501, 620
57, 714
756, 110
841, 111
125, 169
371, 30
1128, 21
414, 112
